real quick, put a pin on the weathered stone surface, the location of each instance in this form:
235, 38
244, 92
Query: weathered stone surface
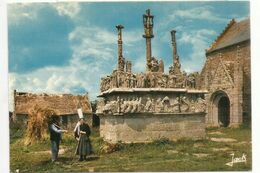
154, 100
146, 127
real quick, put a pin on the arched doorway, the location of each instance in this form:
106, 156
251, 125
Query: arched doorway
220, 110
224, 111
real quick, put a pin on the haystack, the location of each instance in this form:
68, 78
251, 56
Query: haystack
38, 120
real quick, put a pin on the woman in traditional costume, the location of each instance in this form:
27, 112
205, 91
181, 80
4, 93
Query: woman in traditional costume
82, 133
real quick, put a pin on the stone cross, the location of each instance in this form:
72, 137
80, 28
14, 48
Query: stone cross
129, 66
176, 66
148, 34
174, 46
121, 62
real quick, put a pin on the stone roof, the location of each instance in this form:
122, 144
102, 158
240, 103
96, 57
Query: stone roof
63, 104
235, 32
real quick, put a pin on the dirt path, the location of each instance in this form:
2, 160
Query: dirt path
61, 151
223, 139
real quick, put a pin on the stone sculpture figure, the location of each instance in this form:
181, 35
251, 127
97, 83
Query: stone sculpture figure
184, 105
191, 81
159, 82
134, 105
124, 106
154, 65
118, 103
142, 80
153, 81
161, 66
175, 105
148, 105
114, 81
134, 81
119, 79
140, 106
127, 81
128, 66
122, 64
104, 84
107, 108
192, 106
159, 105
165, 81
114, 106
100, 106
107, 83
147, 82
171, 81
182, 80
138, 81
130, 107
166, 104
201, 105
153, 105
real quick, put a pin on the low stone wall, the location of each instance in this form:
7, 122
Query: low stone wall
147, 127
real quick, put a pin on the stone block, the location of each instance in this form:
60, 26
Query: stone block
144, 128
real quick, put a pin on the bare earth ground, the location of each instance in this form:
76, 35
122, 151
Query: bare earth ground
210, 154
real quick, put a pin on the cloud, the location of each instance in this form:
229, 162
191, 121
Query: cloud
198, 40
92, 44
77, 79
70, 9
185, 16
130, 38
198, 13
139, 65
38, 41
21, 12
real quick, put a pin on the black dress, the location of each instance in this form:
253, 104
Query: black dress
84, 145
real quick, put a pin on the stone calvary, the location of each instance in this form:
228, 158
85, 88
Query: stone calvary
154, 105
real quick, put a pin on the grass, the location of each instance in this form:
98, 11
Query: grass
160, 155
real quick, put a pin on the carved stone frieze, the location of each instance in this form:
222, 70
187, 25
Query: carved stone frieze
154, 104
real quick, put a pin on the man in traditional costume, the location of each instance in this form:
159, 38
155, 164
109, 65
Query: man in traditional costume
55, 136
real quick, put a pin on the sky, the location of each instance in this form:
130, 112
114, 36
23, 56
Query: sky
67, 47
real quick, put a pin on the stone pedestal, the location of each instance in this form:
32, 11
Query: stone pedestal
147, 127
